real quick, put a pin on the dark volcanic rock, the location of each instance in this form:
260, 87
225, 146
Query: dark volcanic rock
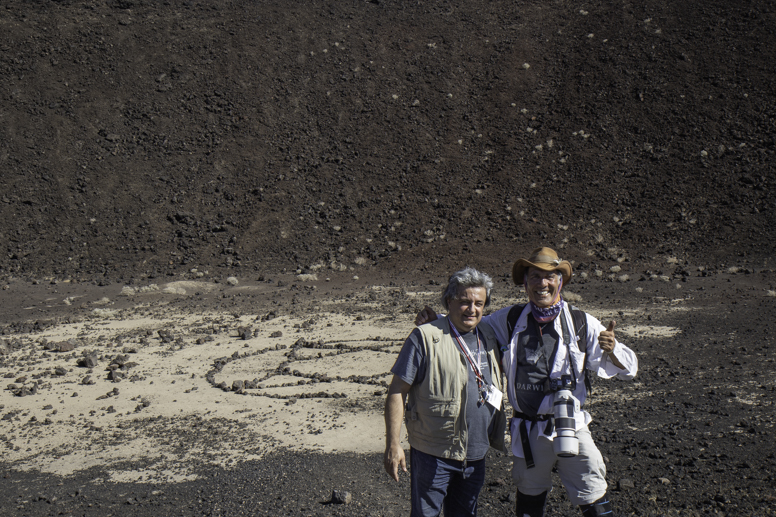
341, 497
594, 114
166, 336
116, 375
62, 346
250, 385
88, 361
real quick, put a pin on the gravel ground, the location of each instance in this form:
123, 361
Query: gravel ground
346, 157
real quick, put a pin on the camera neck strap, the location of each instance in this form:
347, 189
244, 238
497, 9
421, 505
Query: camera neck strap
567, 340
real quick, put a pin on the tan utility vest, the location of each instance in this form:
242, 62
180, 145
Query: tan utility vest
435, 421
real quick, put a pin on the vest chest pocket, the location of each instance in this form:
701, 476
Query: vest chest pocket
435, 420
446, 384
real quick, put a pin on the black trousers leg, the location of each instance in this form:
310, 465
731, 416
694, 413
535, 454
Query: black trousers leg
530, 505
600, 508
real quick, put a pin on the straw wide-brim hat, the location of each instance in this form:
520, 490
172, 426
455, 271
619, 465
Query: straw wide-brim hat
545, 259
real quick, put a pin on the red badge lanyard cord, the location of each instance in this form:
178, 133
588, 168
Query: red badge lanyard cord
469, 358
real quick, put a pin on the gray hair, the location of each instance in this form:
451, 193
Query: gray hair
464, 279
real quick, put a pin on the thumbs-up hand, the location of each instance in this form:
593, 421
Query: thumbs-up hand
606, 338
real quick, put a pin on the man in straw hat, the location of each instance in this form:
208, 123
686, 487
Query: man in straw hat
548, 348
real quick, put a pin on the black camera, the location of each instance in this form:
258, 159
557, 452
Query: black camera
565, 382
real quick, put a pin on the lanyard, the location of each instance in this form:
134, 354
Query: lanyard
469, 358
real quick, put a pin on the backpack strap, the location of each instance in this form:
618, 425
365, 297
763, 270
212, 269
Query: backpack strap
512, 316
580, 329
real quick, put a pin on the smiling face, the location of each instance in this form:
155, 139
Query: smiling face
466, 308
542, 286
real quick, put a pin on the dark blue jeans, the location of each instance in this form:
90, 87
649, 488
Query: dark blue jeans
438, 483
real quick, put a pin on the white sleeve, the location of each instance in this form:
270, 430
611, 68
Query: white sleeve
600, 362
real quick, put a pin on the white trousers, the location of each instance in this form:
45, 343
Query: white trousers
583, 475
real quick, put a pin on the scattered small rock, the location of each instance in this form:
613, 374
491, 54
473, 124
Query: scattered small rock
88, 361
115, 375
341, 497
251, 385
61, 346
244, 333
166, 336
25, 391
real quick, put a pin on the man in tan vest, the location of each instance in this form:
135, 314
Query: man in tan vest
448, 375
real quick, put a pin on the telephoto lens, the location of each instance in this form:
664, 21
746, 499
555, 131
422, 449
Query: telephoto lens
565, 443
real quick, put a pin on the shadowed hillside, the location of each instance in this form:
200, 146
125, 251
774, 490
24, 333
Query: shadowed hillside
140, 139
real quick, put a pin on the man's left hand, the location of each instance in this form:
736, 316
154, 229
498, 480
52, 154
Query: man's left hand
607, 342
606, 338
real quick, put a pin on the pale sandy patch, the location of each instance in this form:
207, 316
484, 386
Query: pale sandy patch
424, 294
652, 331
192, 286
365, 362
68, 426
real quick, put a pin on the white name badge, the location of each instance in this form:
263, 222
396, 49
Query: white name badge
493, 396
